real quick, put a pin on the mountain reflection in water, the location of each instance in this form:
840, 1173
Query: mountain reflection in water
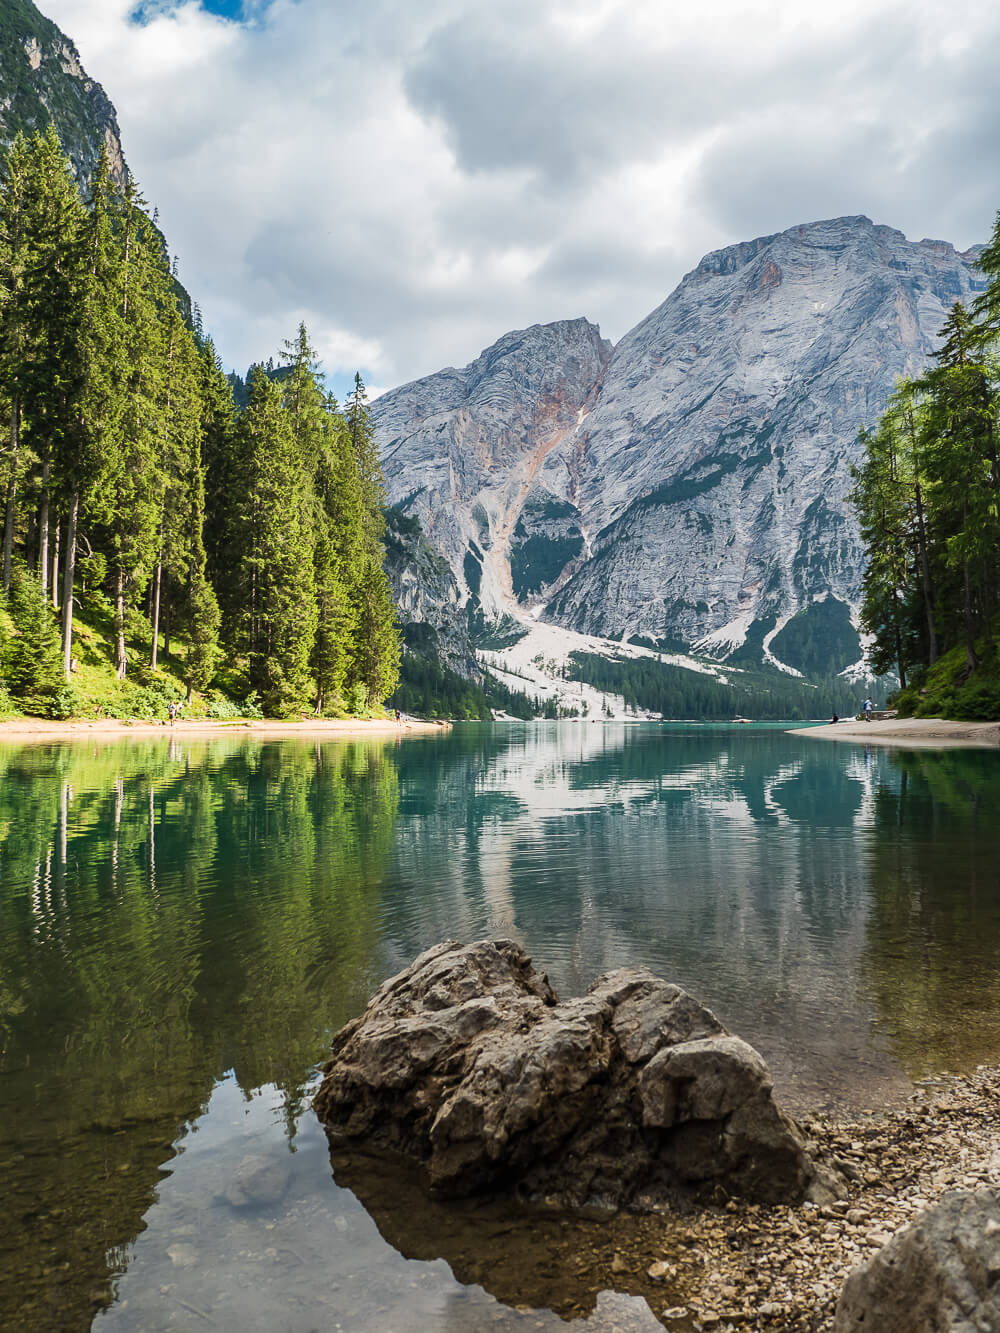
184, 925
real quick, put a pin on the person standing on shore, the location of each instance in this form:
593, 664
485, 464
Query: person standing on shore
171, 711
868, 706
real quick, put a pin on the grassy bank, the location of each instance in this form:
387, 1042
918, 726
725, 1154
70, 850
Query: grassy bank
94, 692
951, 689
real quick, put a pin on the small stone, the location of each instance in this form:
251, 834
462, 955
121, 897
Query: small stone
258, 1181
182, 1256
675, 1312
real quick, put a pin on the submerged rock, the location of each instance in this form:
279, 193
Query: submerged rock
633, 1094
942, 1272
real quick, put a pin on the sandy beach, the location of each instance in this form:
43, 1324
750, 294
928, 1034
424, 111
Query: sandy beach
40, 729
908, 731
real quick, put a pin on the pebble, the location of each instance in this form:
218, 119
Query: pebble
781, 1267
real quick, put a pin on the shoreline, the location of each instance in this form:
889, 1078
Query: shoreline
22, 730
760, 1267
908, 731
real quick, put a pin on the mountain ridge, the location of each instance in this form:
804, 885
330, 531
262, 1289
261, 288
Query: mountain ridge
700, 494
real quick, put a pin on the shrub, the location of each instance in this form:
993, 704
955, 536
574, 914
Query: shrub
978, 700
32, 658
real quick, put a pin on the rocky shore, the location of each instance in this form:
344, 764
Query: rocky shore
653, 1161
748, 1267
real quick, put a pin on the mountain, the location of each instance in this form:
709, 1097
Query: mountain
42, 81
686, 487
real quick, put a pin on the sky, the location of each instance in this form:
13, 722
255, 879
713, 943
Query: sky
413, 178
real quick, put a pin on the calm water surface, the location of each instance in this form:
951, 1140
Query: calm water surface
183, 924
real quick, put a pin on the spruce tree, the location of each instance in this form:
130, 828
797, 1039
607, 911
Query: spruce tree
374, 666
277, 609
33, 666
14, 190
89, 447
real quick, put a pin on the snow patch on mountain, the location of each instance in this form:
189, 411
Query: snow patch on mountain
535, 665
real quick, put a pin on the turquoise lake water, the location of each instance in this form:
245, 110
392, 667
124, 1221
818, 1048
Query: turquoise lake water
184, 924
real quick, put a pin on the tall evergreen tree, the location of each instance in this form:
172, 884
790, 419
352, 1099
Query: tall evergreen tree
374, 665
89, 447
277, 615
33, 667
14, 242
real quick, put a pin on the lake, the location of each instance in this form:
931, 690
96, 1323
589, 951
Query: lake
185, 923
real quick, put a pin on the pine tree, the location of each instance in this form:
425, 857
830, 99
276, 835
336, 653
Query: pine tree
962, 463
335, 627
33, 666
879, 496
89, 447
376, 652
277, 608
361, 432
375, 659
14, 190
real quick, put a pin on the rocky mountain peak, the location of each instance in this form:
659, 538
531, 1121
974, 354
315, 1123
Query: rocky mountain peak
42, 81
691, 484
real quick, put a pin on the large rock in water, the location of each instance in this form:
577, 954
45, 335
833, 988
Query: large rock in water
941, 1274
468, 1064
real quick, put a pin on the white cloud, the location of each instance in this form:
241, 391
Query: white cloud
415, 179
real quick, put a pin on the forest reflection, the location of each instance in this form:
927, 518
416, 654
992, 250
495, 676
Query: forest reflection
178, 914
171, 912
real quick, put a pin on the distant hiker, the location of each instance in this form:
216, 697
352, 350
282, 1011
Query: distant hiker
171, 711
834, 719
398, 717
868, 709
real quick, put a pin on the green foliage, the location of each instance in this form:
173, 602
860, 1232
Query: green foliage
255, 541
820, 640
32, 665
428, 689
674, 692
538, 559
928, 498
221, 708
950, 689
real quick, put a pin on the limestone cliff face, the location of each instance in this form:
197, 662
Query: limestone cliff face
690, 484
464, 449
43, 82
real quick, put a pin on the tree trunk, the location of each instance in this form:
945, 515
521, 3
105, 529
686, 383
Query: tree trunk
166, 618
121, 663
899, 659
970, 638
69, 572
43, 533
55, 568
155, 617
925, 581
8, 526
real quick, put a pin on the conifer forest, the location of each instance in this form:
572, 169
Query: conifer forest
145, 517
927, 494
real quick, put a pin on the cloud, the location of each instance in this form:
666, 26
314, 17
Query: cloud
415, 180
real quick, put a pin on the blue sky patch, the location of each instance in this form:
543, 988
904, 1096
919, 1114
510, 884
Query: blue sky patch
148, 9
228, 9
